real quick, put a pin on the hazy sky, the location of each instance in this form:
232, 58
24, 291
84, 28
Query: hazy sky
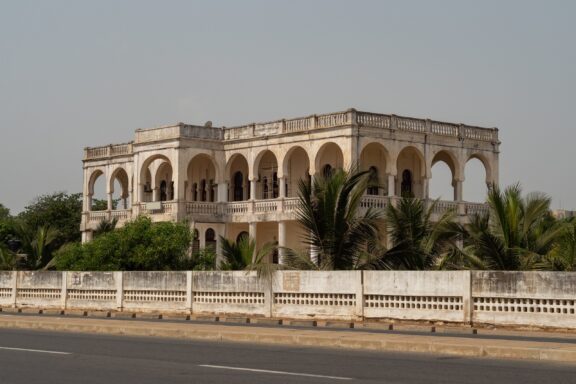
79, 73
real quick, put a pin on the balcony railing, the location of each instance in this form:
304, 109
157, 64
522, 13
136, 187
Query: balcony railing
260, 210
108, 151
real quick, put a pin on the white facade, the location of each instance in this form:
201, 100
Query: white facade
226, 181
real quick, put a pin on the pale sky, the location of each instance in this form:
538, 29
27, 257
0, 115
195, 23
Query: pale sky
79, 73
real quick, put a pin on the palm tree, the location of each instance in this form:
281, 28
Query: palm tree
418, 243
337, 231
516, 235
36, 243
243, 255
7, 258
562, 257
106, 226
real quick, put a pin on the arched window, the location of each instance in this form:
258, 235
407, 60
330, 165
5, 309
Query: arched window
242, 235
210, 238
406, 186
264, 187
203, 189
373, 181
275, 185
238, 186
196, 242
163, 188
194, 192
327, 170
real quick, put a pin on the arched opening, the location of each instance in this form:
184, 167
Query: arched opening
267, 167
374, 158
201, 174
97, 191
210, 239
242, 235
156, 179
329, 154
238, 186
296, 168
238, 176
443, 177
410, 167
120, 190
327, 170
374, 182
407, 185
475, 186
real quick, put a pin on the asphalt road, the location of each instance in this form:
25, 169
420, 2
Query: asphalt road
40, 357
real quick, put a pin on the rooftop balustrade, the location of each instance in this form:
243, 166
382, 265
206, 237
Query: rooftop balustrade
291, 126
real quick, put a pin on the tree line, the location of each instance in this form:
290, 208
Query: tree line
519, 232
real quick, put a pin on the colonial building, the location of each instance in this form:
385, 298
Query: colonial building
230, 181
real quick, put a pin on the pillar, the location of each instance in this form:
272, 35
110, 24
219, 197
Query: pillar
458, 192
282, 187
253, 189
87, 203
110, 202
281, 241
391, 185
156, 194
252, 230
223, 191
425, 187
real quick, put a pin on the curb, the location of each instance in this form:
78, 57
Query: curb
500, 349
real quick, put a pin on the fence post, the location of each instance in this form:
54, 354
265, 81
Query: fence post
359, 290
189, 291
467, 304
268, 293
64, 291
15, 289
119, 277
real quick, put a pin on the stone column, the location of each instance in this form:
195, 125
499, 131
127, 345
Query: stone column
425, 187
110, 201
391, 185
458, 184
281, 241
223, 191
253, 189
282, 187
156, 194
88, 203
252, 230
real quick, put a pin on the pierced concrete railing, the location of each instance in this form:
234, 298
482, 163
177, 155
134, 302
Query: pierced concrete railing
544, 299
264, 207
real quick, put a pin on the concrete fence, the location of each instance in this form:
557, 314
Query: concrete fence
545, 299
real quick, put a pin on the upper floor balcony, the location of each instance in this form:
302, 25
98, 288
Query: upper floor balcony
280, 209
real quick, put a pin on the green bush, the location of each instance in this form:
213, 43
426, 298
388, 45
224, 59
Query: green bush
138, 246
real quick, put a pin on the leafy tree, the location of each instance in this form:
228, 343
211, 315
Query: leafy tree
139, 245
58, 210
203, 260
518, 233
418, 243
336, 228
4, 213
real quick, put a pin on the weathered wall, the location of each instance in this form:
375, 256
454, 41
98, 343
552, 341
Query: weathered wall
504, 298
